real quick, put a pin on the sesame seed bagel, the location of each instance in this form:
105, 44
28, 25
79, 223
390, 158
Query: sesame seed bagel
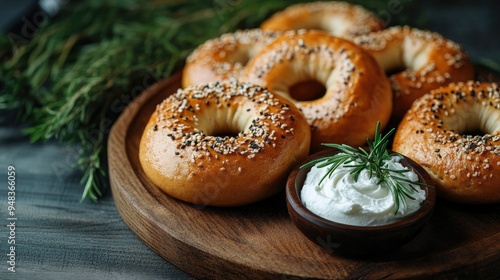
357, 92
340, 19
454, 133
428, 61
224, 57
223, 144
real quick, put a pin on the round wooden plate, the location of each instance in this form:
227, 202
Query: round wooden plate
259, 240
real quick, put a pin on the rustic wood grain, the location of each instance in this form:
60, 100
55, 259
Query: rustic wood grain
56, 236
260, 241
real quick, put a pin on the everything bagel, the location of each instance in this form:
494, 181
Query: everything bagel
454, 133
223, 144
224, 57
357, 92
340, 19
425, 61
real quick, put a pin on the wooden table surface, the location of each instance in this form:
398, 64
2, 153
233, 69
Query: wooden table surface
59, 238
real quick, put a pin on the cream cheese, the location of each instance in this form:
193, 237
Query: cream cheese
341, 199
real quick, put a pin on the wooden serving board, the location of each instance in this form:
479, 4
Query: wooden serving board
259, 241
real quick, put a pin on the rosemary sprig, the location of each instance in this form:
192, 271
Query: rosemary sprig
372, 160
67, 80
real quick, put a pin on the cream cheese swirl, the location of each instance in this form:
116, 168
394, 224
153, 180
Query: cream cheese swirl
365, 202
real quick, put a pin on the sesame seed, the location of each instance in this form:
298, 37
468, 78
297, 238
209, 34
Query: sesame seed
437, 109
187, 107
429, 73
214, 55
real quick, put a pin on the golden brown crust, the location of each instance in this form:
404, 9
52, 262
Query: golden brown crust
181, 153
434, 133
340, 19
357, 94
224, 57
429, 61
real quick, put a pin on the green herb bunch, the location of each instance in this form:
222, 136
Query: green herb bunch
372, 160
73, 77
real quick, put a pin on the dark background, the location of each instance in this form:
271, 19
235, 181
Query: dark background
474, 24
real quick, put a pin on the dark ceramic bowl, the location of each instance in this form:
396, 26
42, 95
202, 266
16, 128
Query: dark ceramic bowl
356, 241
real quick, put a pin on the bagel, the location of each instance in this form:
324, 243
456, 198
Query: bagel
223, 144
340, 19
425, 60
357, 92
454, 133
224, 57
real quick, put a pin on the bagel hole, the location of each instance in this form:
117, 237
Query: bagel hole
472, 121
240, 58
307, 90
225, 121
395, 70
472, 133
225, 132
